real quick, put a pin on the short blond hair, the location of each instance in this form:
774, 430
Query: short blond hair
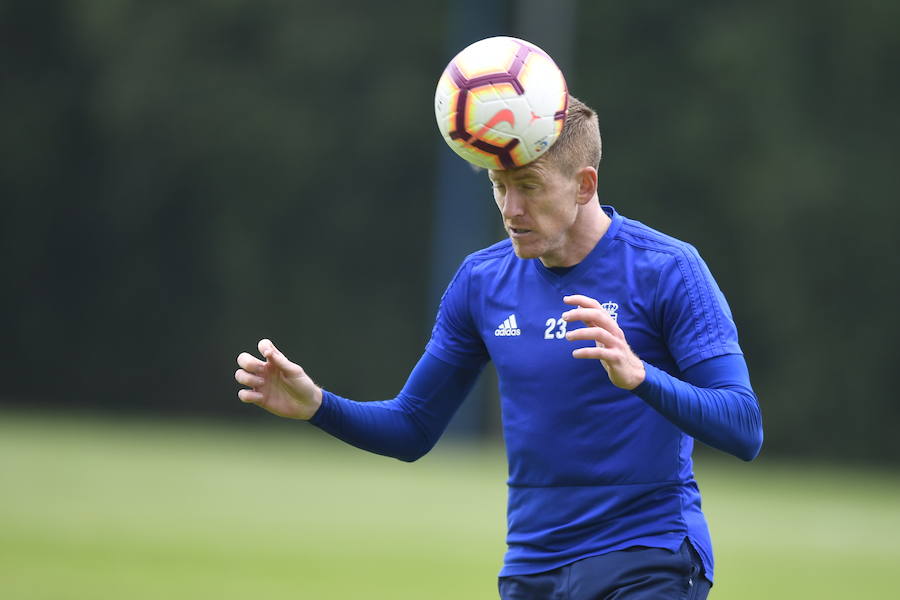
579, 143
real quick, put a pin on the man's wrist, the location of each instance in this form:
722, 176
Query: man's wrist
318, 398
639, 377
650, 381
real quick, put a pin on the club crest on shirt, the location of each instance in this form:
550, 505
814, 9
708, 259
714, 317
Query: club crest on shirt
612, 308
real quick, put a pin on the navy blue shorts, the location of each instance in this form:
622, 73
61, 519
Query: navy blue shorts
633, 574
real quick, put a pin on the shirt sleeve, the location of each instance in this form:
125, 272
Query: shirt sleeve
405, 427
455, 338
715, 404
694, 316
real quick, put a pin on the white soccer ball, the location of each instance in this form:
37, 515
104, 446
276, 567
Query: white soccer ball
501, 103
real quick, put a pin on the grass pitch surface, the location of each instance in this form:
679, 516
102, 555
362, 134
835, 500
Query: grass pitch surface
111, 509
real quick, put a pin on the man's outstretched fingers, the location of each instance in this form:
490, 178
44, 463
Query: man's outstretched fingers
594, 334
266, 347
581, 300
248, 379
588, 315
593, 317
594, 353
273, 354
250, 363
250, 396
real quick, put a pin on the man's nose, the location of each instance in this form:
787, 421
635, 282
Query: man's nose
513, 205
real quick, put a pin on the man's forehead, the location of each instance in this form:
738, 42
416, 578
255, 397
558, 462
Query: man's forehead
530, 170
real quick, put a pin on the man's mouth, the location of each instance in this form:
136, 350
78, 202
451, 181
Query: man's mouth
518, 231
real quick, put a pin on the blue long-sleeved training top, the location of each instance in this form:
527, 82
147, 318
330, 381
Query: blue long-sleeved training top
592, 468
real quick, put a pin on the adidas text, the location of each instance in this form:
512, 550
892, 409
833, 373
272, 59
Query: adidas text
508, 327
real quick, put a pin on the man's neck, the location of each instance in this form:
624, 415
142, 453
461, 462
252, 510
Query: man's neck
590, 226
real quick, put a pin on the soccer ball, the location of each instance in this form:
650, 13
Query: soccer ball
501, 103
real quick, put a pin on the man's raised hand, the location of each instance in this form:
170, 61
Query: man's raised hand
276, 384
624, 368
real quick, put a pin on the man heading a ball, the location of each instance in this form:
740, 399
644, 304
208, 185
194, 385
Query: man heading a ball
615, 350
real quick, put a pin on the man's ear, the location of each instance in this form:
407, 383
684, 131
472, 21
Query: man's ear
587, 184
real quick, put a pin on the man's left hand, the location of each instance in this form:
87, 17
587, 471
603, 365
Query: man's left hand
624, 368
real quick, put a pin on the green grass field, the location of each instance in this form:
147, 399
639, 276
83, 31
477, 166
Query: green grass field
113, 509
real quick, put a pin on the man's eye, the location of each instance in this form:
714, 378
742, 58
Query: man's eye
529, 187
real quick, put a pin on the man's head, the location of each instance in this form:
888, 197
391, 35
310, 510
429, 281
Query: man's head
542, 203
579, 143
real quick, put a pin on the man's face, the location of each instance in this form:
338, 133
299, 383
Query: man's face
538, 206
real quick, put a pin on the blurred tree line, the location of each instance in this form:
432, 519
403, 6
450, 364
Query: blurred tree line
179, 179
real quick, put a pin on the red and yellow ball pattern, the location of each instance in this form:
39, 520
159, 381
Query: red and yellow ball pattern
501, 103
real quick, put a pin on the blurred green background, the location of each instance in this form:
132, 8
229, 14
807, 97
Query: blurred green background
179, 179
104, 509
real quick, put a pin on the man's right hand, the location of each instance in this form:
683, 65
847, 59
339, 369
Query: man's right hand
276, 384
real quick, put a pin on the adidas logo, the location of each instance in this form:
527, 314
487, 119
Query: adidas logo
508, 327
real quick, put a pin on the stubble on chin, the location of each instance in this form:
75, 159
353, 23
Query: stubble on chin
524, 252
